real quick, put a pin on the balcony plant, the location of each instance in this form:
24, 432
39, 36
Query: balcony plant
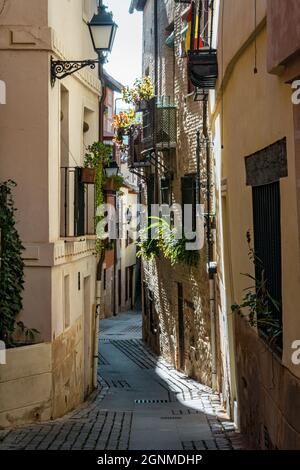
258, 305
11, 274
141, 92
148, 249
114, 183
97, 156
123, 121
166, 243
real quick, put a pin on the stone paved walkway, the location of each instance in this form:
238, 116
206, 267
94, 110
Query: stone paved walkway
142, 404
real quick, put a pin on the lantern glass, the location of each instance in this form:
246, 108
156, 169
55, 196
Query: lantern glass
103, 30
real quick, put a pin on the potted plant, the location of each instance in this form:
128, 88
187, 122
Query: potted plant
88, 175
96, 153
140, 94
123, 121
114, 183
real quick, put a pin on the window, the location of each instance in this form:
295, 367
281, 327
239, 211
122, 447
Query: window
189, 197
267, 244
165, 190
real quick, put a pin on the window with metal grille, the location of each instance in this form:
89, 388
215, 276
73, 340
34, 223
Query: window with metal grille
267, 245
188, 190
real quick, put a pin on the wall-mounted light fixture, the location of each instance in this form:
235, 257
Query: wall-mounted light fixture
112, 169
103, 31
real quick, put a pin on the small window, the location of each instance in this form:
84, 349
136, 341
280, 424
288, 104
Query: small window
189, 197
165, 190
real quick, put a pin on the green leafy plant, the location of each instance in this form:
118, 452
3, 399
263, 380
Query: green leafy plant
11, 270
142, 89
167, 243
118, 181
258, 305
97, 156
148, 249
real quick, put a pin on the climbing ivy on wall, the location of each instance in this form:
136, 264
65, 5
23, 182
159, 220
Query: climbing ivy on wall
12, 265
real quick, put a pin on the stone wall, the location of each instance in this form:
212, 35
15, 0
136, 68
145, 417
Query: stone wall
161, 278
26, 385
268, 393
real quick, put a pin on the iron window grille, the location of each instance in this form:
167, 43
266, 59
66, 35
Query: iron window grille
159, 124
267, 245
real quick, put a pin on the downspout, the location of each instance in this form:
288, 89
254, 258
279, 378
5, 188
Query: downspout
101, 260
210, 245
156, 92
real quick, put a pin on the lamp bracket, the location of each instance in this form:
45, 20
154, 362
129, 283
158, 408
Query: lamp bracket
62, 68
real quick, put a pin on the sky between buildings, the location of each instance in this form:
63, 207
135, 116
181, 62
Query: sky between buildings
125, 62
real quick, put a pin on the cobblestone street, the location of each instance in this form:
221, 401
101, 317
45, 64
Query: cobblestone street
142, 404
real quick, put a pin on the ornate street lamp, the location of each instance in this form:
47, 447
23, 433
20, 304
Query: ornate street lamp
103, 31
112, 169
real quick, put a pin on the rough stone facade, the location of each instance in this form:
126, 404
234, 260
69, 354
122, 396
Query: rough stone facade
268, 394
160, 278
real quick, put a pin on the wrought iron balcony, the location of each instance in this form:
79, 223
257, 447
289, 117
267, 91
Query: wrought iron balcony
78, 204
136, 157
203, 68
202, 57
159, 125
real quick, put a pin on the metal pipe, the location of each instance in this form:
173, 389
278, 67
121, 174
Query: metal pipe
156, 55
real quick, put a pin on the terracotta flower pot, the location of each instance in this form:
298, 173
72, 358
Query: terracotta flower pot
111, 185
88, 175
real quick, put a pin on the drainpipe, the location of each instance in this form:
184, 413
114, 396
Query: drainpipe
101, 260
210, 245
156, 54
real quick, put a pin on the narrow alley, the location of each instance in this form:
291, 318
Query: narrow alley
141, 403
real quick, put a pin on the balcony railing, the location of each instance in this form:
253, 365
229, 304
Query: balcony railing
159, 124
137, 158
202, 57
78, 204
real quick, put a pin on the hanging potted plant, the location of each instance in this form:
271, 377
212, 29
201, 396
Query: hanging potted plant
88, 175
122, 122
141, 93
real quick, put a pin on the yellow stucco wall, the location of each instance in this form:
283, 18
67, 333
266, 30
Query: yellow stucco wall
257, 111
